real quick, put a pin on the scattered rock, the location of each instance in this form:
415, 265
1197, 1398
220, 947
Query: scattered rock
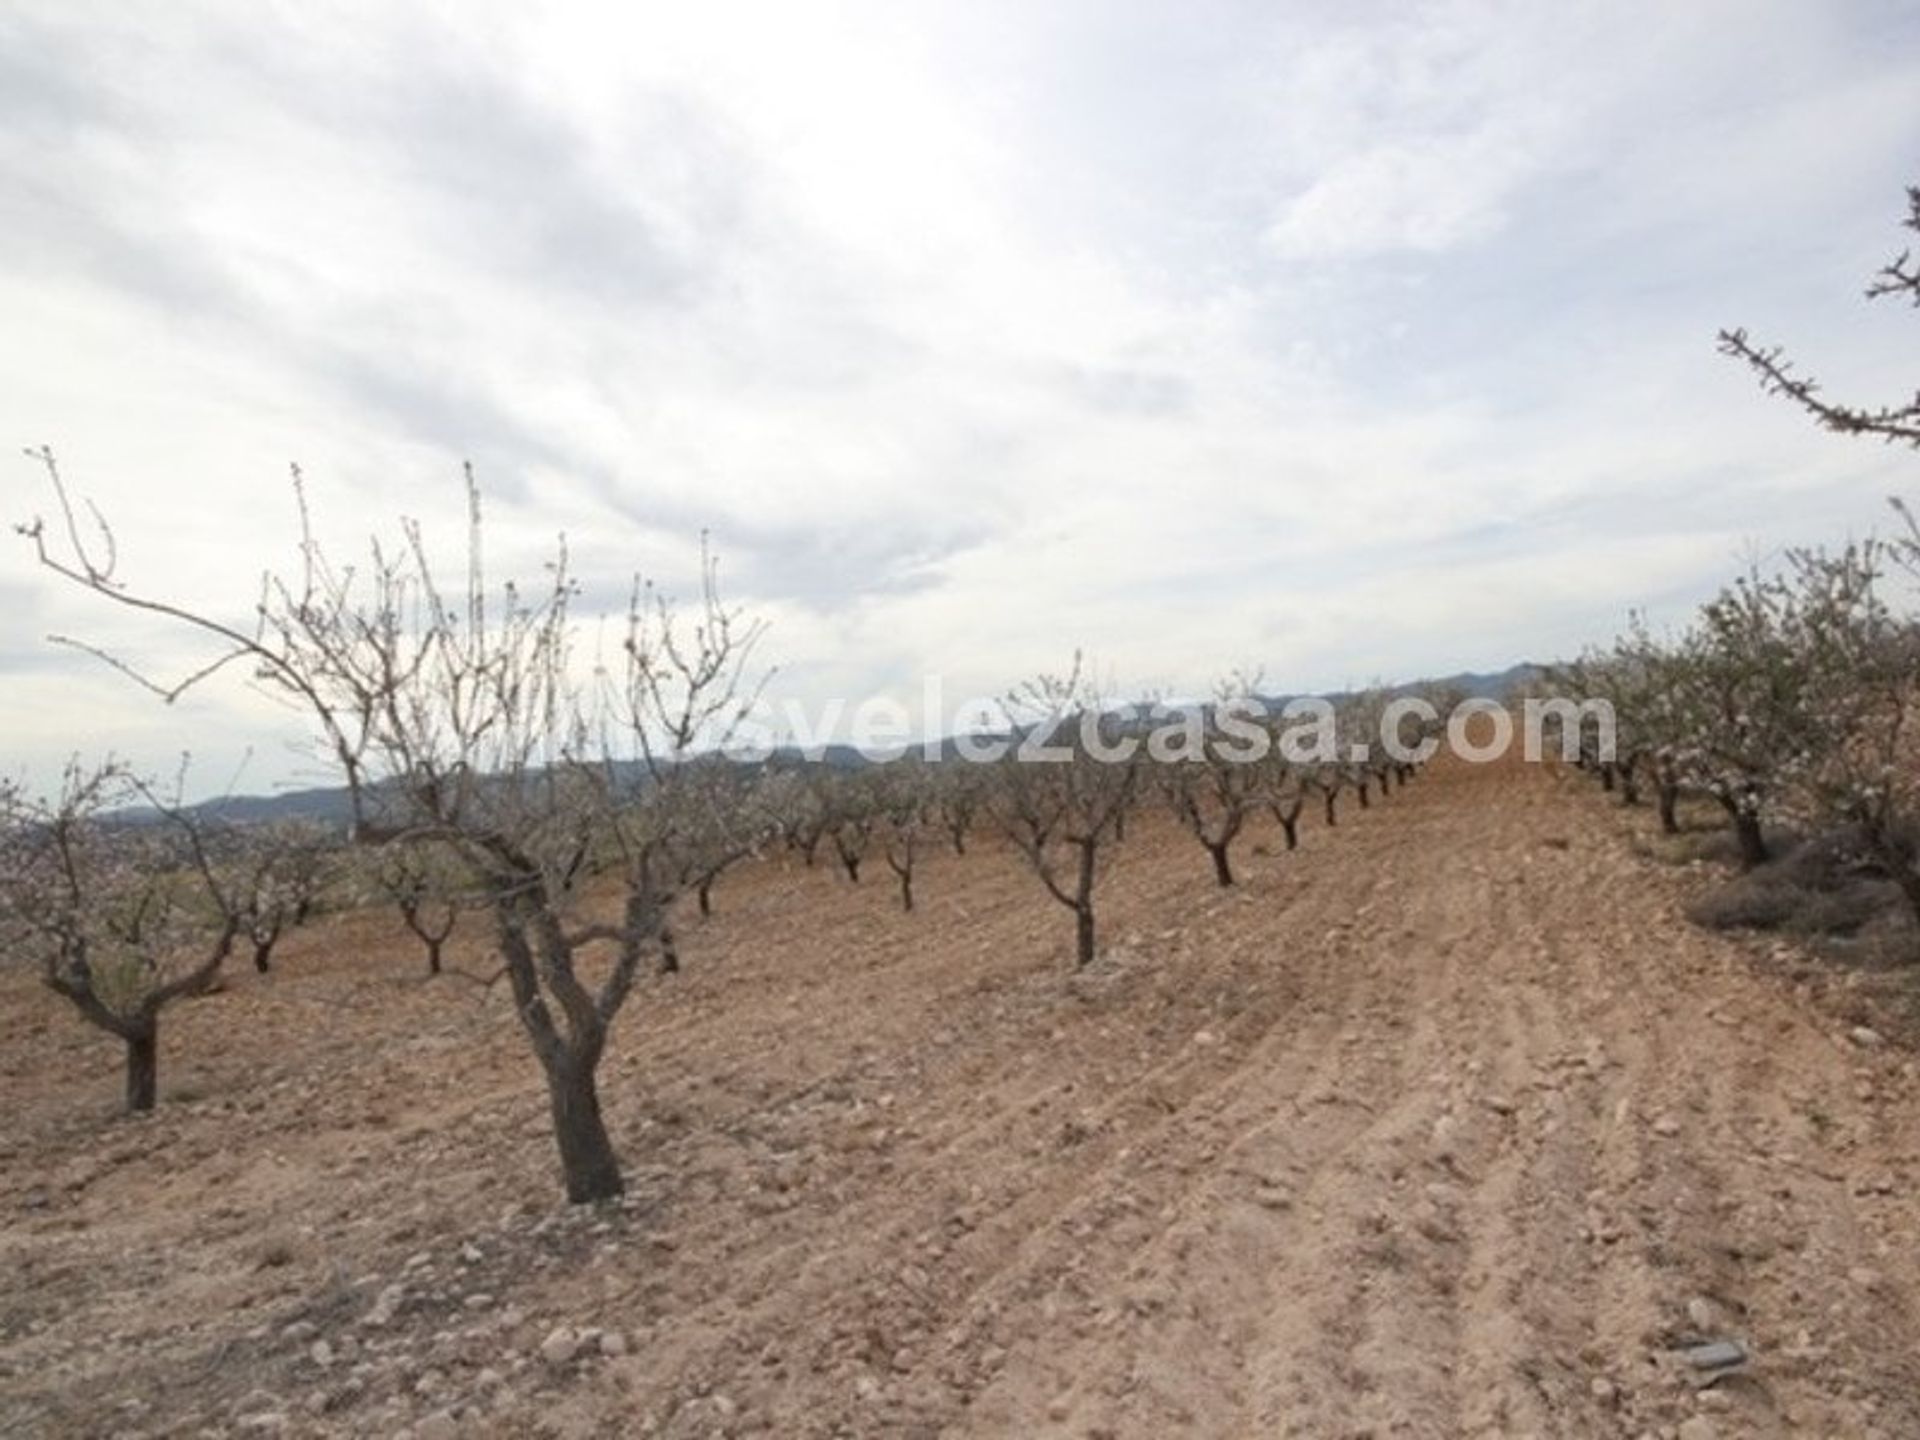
384, 1307
440, 1425
560, 1346
1866, 1037
1698, 1428
1717, 1355
613, 1343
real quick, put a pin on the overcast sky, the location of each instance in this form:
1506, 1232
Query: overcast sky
1341, 340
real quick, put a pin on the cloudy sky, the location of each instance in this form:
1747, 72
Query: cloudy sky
1341, 340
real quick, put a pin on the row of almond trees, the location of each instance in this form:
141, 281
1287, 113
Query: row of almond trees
568, 809
1790, 699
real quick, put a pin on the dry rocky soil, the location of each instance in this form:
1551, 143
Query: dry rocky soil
1446, 1125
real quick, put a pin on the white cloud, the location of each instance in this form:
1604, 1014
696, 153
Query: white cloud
1197, 337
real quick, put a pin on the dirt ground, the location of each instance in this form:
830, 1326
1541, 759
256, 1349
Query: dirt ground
1446, 1125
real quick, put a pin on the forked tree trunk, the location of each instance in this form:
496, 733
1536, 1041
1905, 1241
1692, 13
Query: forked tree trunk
1222, 868
1290, 827
587, 1161
263, 954
906, 889
143, 1069
433, 956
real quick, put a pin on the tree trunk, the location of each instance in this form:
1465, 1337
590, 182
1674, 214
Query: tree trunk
1606, 778
1360, 788
1629, 785
143, 1067
906, 890
433, 956
1332, 797
1746, 829
591, 1169
1668, 797
1222, 870
1290, 826
1083, 909
263, 955
705, 893
669, 953
959, 835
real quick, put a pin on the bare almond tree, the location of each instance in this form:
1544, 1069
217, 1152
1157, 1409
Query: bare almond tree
1215, 782
124, 916
462, 719
425, 883
1061, 792
906, 806
274, 871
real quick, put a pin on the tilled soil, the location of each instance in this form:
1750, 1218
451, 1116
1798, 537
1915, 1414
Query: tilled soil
1447, 1124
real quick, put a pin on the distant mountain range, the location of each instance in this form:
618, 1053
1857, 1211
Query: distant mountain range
331, 806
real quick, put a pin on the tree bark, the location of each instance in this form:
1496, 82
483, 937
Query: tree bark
1290, 826
143, 1067
1222, 868
906, 889
1332, 797
1360, 788
1668, 797
1083, 909
433, 956
263, 955
587, 1162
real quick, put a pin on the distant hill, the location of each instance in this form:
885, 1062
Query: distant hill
330, 806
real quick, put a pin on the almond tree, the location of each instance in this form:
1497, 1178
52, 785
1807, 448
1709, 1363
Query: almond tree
905, 803
1285, 786
1060, 793
274, 871
957, 794
424, 882
1216, 783
1863, 775
852, 814
462, 720
1749, 694
124, 917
